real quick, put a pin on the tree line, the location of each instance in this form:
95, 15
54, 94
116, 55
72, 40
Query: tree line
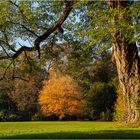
62, 90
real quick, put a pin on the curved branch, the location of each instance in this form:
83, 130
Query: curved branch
56, 25
23, 48
45, 35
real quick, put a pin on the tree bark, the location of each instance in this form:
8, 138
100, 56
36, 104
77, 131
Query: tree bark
125, 55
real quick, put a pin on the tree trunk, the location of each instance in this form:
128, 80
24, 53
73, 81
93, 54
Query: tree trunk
125, 55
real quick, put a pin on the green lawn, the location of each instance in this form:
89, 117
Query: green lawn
71, 130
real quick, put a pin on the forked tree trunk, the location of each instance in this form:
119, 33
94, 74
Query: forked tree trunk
125, 55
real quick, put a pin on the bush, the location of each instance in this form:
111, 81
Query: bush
7, 116
2, 115
12, 117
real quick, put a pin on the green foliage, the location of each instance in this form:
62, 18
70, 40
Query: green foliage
88, 66
79, 66
95, 74
101, 98
95, 23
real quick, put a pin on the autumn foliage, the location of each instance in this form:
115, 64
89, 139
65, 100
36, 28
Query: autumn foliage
61, 96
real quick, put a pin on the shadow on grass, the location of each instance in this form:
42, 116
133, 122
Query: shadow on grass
107, 134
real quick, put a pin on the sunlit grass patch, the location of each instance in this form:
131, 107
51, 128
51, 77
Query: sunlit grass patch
65, 130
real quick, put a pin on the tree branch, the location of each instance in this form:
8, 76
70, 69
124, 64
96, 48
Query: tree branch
45, 35
23, 48
56, 25
28, 61
5, 51
26, 28
6, 70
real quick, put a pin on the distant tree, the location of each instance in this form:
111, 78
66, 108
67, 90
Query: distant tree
90, 69
61, 96
25, 96
7, 108
101, 100
87, 67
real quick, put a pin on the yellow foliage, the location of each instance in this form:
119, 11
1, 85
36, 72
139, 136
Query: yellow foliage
61, 96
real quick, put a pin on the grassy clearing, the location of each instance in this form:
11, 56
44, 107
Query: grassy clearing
71, 130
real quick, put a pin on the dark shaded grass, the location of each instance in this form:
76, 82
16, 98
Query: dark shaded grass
103, 134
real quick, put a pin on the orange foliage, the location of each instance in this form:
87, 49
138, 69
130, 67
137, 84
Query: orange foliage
61, 96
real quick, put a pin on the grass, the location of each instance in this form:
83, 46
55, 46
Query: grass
68, 130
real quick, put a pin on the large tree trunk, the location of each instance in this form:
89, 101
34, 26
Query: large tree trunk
126, 57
